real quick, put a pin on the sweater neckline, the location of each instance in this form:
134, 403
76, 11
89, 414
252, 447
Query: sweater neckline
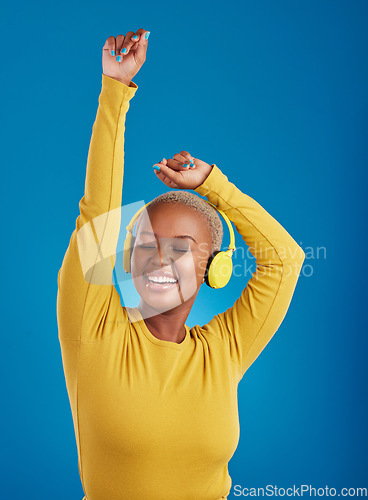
136, 317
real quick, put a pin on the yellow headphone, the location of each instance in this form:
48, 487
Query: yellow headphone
219, 265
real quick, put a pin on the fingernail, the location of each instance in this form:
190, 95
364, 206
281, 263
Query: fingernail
146, 36
118, 58
156, 167
135, 37
191, 165
124, 50
185, 165
113, 52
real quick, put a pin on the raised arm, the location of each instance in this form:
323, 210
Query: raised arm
250, 323
256, 315
87, 302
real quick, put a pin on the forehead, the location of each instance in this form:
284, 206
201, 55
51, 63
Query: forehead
170, 219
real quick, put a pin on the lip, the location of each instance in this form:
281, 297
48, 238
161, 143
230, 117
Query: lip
162, 274
155, 287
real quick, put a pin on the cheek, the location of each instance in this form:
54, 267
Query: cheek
138, 261
191, 265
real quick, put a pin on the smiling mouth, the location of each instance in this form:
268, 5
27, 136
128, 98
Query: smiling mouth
160, 283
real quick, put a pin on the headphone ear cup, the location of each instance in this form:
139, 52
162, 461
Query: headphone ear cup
219, 269
209, 262
127, 252
130, 252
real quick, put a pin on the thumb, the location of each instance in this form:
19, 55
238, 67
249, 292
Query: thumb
168, 172
142, 46
169, 176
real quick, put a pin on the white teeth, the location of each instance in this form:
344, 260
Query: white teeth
161, 279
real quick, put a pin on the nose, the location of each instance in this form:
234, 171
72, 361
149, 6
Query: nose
162, 255
166, 252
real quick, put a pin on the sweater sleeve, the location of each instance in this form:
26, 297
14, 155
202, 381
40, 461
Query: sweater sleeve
250, 323
88, 305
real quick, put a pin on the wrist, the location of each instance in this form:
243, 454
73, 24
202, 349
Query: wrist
126, 82
213, 182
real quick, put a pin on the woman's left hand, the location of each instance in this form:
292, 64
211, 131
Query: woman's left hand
177, 172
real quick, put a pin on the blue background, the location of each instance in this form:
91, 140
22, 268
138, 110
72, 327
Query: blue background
274, 93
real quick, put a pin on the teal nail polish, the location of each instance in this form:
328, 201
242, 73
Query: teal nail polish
191, 165
113, 52
124, 50
135, 37
156, 167
118, 59
185, 165
147, 35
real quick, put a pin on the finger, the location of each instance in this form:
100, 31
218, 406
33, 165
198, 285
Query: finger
142, 44
185, 160
171, 174
119, 43
127, 44
136, 37
187, 155
165, 179
157, 165
110, 45
177, 165
163, 162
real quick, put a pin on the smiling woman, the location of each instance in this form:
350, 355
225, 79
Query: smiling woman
174, 240
154, 402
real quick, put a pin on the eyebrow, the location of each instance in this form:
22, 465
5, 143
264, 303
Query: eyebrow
182, 236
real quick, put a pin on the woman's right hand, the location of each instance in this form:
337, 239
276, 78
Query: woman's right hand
183, 171
131, 61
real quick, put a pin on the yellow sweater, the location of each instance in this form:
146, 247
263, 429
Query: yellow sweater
155, 419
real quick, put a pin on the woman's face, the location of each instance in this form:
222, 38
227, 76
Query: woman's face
170, 255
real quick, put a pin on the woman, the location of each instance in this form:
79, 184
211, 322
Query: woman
154, 402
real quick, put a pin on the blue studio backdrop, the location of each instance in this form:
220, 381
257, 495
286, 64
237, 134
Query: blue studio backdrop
273, 92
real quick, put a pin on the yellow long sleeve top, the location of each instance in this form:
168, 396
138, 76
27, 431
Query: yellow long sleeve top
155, 419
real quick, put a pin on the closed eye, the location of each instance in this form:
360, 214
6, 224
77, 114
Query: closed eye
182, 250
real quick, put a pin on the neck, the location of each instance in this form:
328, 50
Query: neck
168, 325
